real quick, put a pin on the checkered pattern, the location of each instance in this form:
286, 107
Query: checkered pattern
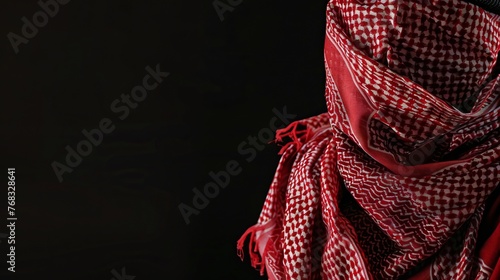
393, 180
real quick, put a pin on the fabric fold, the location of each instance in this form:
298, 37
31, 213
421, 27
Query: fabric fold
399, 179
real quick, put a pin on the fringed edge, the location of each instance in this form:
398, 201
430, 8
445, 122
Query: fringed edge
297, 134
256, 260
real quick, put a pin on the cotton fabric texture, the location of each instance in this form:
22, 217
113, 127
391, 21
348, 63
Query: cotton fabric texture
399, 179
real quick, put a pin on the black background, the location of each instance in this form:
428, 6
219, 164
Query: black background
119, 207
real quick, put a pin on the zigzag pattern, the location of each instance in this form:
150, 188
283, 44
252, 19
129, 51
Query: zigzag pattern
393, 180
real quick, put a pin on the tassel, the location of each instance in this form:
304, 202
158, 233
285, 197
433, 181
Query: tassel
298, 135
256, 260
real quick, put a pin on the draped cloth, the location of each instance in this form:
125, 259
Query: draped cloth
398, 180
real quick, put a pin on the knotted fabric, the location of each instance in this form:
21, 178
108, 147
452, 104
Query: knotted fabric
398, 180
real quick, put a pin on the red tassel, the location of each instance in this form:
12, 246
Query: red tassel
299, 136
255, 259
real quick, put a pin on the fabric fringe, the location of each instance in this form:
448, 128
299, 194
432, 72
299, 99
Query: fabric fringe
257, 260
297, 132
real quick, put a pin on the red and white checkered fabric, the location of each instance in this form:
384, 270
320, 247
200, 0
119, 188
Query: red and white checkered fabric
398, 180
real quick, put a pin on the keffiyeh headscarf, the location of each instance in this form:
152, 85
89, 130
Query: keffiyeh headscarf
398, 180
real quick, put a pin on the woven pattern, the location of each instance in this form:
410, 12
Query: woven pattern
393, 180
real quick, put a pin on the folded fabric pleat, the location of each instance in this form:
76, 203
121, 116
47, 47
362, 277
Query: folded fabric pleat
399, 179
